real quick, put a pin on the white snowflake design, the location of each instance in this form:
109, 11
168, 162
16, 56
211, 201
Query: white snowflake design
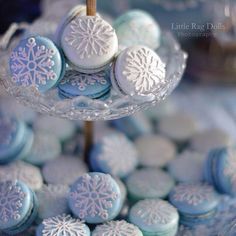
11, 200
193, 194
145, 70
94, 195
63, 225
8, 128
119, 160
116, 228
82, 81
153, 211
90, 36
230, 166
32, 65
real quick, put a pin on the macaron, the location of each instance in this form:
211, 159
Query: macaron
95, 198
64, 170
209, 139
61, 128
149, 183
95, 86
12, 138
133, 126
89, 43
155, 217
18, 207
62, 225
36, 62
45, 148
23, 172
220, 170
138, 70
137, 27
117, 228
155, 150
179, 127
107, 156
197, 203
188, 167
52, 201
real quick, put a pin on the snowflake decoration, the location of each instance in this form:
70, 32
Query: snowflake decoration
32, 65
230, 166
145, 70
153, 212
93, 196
193, 194
116, 228
82, 81
119, 160
8, 128
90, 36
11, 200
63, 225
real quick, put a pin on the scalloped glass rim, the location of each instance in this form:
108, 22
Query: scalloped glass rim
116, 106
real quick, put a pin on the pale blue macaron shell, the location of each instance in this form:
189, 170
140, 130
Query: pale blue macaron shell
36, 61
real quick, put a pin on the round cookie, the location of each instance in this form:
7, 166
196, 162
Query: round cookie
64, 170
138, 71
149, 183
155, 217
117, 228
155, 150
89, 43
137, 27
63, 225
196, 203
115, 155
18, 206
95, 198
36, 62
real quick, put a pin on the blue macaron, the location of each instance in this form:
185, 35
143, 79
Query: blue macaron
95, 86
196, 203
95, 198
220, 169
18, 207
155, 217
37, 62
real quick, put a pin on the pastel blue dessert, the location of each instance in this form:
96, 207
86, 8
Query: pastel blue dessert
117, 228
95, 198
18, 207
62, 225
36, 62
137, 27
115, 155
220, 170
149, 183
196, 203
12, 138
155, 217
96, 86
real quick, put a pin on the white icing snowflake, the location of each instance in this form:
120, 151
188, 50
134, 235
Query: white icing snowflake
116, 228
193, 194
63, 225
7, 128
119, 154
93, 196
81, 81
145, 70
32, 64
11, 200
90, 36
230, 166
153, 211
